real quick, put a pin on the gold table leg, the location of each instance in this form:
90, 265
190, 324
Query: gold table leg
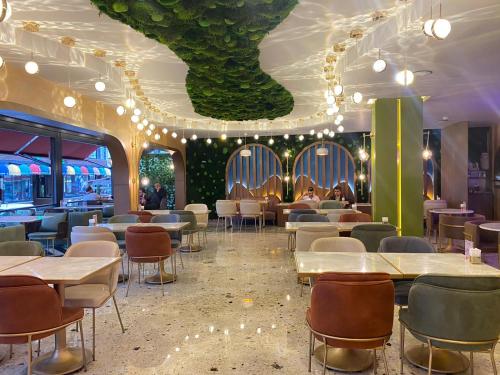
165, 276
349, 360
63, 360
443, 361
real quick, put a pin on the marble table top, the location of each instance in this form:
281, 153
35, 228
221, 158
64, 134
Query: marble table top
412, 264
310, 263
342, 227
321, 211
451, 211
62, 270
7, 262
495, 227
19, 219
122, 227
167, 212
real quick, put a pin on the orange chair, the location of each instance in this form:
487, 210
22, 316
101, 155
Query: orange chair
351, 311
355, 218
31, 310
144, 216
148, 244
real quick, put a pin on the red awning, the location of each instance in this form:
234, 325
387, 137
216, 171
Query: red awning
77, 150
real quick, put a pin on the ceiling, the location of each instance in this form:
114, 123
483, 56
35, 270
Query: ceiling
464, 84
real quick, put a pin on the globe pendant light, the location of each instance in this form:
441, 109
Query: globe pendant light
319, 135
427, 154
357, 97
326, 131
209, 141
441, 28
271, 141
120, 110
338, 89
6, 11
331, 134
164, 130
31, 67
157, 136
405, 77
130, 103
145, 145
140, 126
174, 135
69, 101
379, 65
286, 136
301, 137
223, 136
239, 141
149, 132
2, 62
427, 27
339, 118
340, 129
134, 118
194, 137
183, 140
100, 86
330, 100
256, 137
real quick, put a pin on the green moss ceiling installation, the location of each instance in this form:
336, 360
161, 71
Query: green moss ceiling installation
218, 40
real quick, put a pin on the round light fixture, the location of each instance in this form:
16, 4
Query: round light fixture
256, 137
2, 62
326, 131
140, 126
31, 67
145, 180
137, 112
427, 154
287, 178
209, 141
239, 141
164, 130
319, 135
379, 66
337, 122
245, 153
405, 77
194, 137
362, 177
146, 122
183, 140
145, 144
338, 89
174, 135
286, 136
6, 11
441, 28
120, 110
134, 118
330, 100
271, 141
312, 132
223, 136
339, 118
427, 28
149, 132
340, 129
286, 154
301, 137
331, 134
363, 155
357, 97
130, 103
69, 101
151, 126
157, 136
100, 86
322, 151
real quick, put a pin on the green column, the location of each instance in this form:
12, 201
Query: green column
397, 182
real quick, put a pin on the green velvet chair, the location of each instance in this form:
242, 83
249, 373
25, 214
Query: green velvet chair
21, 248
125, 218
457, 313
328, 205
54, 226
190, 230
13, 233
372, 234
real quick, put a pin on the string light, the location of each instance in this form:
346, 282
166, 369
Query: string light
69, 101
100, 86
120, 110
256, 137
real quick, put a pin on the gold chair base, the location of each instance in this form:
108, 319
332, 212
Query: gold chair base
156, 279
349, 360
443, 361
194, 249
59, 362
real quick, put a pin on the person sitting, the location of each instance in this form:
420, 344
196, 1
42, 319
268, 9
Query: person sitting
310, 196
337, 194
90, 195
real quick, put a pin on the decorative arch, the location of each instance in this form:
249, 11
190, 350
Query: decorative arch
323, 173
257, 176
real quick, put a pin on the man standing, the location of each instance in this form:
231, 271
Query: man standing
161, 196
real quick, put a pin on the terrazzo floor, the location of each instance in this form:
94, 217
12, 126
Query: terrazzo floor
235, 309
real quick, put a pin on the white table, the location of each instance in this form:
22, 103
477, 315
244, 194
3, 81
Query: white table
451, 211
19, 219
292, 227
122, 227
321, 211
61, 271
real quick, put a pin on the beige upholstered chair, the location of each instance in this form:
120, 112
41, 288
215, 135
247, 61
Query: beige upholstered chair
225, 210
311, 204
200, 210
334, 215
100, 287
453, 228
306, 235
250, 210
432, 221
338, 244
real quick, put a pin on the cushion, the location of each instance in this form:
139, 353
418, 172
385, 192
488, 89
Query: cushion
86, 295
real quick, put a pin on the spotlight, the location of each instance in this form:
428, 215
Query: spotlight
404, 77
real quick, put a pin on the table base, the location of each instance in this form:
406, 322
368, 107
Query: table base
59, 362
349, 360
194, 249
155, 279
443, 361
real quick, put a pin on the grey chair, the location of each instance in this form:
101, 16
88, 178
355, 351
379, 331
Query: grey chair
21, 248
107, 212
458, 313
372, 234
126, 218
175, 237
330, 205
13, 233
81, 219
404, 244
295, 213
316, 218
190, 230
54, 226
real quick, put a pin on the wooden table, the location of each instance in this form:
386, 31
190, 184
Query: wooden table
61, 271
493, 227
7, 262
292, 227
451, 211
161, 275
19, 219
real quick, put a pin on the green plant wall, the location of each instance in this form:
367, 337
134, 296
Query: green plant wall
206, 164
157, 167
218, 40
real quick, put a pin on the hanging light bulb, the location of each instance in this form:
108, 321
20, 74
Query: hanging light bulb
337, 122
405, 77
183, 140
427, 154
330, 100
338, 89
287, 178
223, 136
100, 86
271, 141
209, 141
340, 129
31, 67
301, 137
357, 97
427, 27
326, 131
120, 110
157, 136
331, 134
286, 136
69, 101
256, 137
134, 118
312, 132
328, 93
151, 126
145, 144
130, 103
379, 65
146, 122
319, 135
140, 126
145, 180
137, 112
362, 176
363, 155
149, 132
286, 154
441, 28
239, 141
2, 62
6, 11
174, 135
194, 137
164, 130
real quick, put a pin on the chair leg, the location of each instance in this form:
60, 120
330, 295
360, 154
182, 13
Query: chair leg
384, 357
123, 268
255, 221
118, 313
139, 269
325, 355
38, 349
161, 280
217, 226
375, 364
30, 355
310, 348
182, 262
93, 334
241, 223
492, 357
174, 267
401, 345
471, 366
429, 370
129, 277
83, 347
